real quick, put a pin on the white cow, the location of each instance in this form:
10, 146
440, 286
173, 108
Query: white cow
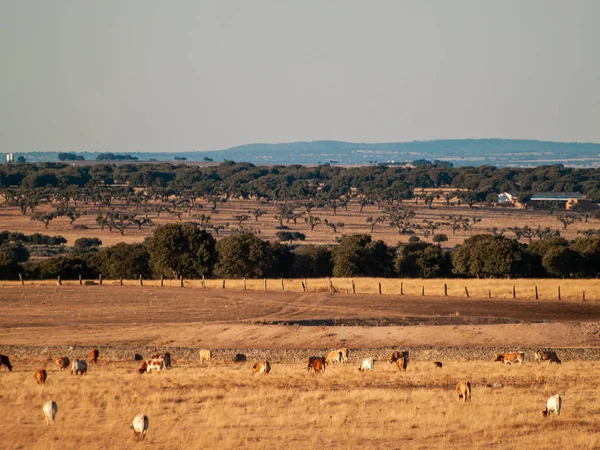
78, 367
367, 364
50, 410
140, 426
553, 405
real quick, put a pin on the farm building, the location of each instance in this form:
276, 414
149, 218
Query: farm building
571, 200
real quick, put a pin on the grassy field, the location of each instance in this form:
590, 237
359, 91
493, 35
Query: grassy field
224, 406
570, 289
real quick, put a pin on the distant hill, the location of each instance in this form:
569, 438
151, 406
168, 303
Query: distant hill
461, 152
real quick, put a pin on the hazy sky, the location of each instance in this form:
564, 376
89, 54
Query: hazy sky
181, 75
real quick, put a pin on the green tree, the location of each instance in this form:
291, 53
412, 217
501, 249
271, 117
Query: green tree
589, 249
311, 261
243, 255
422, 260
561, 261
181, 249
486, 255
125, 260
359, 255
87, 243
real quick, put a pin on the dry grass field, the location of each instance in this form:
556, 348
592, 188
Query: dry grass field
224, 406
354, 221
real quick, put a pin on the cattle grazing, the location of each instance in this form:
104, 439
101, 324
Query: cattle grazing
41, 376
438, 364
395, 356
263, 367
553, 405
5, 362
510, 358
334, 357
463, 389
140, 426
62, 362
50, 409
151, 364
78, 367
318, 365
239, 358
205, 355
93, 355
312, 359
344, 352
367, 364
402, 363
549, 356
166, 358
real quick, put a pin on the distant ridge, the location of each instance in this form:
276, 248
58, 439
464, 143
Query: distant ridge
461, 152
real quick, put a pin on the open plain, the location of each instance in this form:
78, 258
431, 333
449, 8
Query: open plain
222, 405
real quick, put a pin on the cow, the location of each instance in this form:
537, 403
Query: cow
151, 364
263, 367
41, 376
166, 357
510, 358
395, 356
438, 364
50, 409
318, 365
5, 362
367, 364
344, 352
139, 426
553, 405
62, 362
334, 357
78, 367
205, 355
312, 359
463, 389
402, 363
93, 355
549, 356
239, 358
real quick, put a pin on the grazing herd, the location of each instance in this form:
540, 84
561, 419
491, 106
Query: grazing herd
316, 364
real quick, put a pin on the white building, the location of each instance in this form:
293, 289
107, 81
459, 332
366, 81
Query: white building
10, 158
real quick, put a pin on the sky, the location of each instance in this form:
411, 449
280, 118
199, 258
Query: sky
146, 75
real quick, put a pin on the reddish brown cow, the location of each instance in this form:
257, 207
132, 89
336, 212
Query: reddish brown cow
510, 358
318, 365
94, 353
41, 376
438, 364
312, 359
463, 389
5, 362
62, 362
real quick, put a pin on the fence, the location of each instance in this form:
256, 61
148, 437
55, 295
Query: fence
519, 289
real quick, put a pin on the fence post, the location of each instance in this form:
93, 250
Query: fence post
537, 297
306, 284
423, 290
445, 290
203, 282
121, 281
223, 284
58, 281
583, 296
162, 280
265, 283
401, 288
489, 293
514, 292
21, 279
282, 286
559, 292
353, 287
244, 283
80, 280
181, 281
100, 279
466, 291
380, 288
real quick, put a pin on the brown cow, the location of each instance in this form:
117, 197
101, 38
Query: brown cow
318, 365
438, 364
510, 358
41, 376
239, 358
5, 362
549, 356
334, 357
62, 362
463, 389
166, 357
93, 355
263, 367
344, 352
396, 356
312, 359
205, 355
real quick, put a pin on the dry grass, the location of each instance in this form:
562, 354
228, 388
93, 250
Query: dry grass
570, 289
224, 406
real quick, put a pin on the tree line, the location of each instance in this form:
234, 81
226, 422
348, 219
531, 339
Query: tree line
183, 249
